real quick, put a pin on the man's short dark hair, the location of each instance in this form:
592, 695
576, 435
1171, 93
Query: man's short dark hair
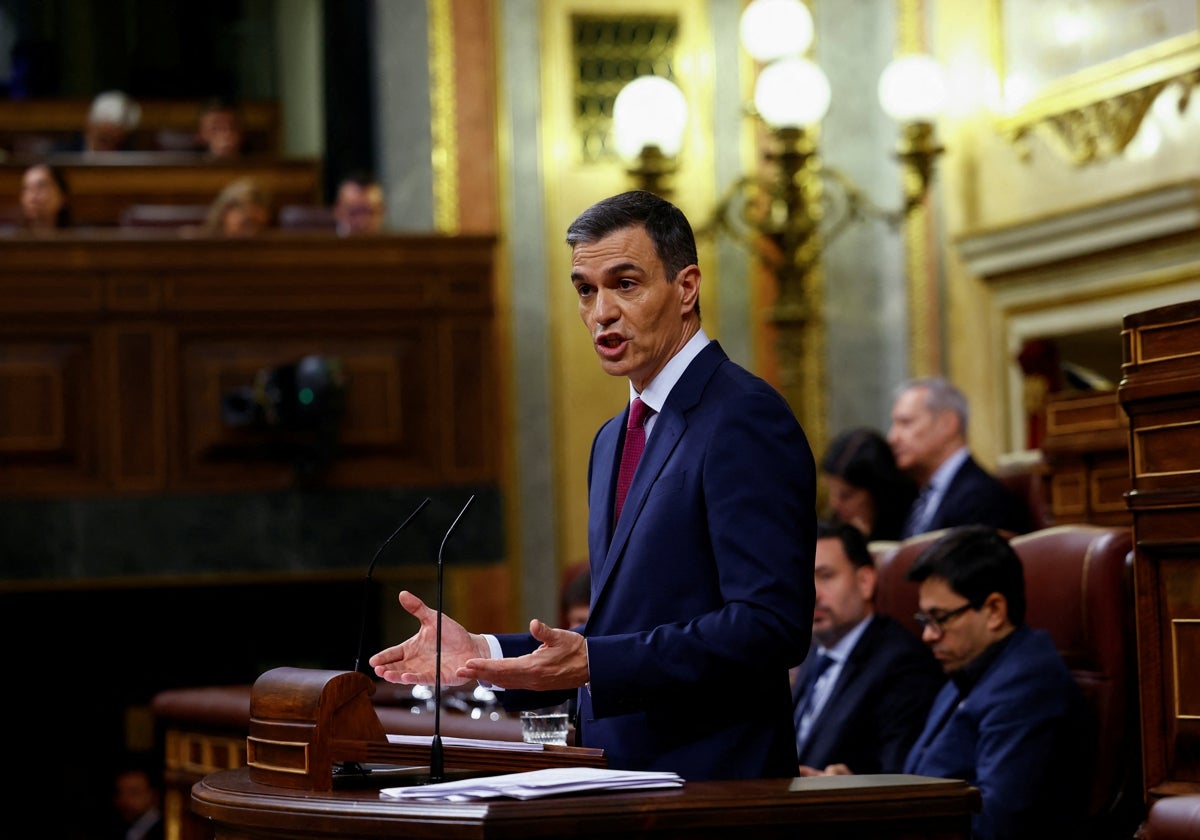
975, 561
359, 177
669, 230
853, 541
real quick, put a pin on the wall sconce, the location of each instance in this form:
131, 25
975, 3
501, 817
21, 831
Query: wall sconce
649, 116
789, 213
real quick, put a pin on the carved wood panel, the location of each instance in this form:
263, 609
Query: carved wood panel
117, 356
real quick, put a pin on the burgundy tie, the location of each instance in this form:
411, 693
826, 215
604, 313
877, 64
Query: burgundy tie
635, 442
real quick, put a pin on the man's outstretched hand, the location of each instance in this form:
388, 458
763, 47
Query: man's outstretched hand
414, 660
560, 662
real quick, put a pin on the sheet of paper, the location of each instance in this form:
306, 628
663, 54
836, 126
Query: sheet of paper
536, 783
447, 741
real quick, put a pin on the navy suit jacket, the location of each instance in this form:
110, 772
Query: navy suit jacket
878, 704
976, 497
702, 594
1019, 736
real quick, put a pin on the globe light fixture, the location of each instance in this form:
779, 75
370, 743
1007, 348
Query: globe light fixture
649, 118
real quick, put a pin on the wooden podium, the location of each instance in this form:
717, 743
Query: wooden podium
819, 808
304, 722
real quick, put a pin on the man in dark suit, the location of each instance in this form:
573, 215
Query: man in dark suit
1011, 719
928, 436
862, 695
701, 549
137, 802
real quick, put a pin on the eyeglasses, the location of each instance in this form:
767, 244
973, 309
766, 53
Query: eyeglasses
937, 623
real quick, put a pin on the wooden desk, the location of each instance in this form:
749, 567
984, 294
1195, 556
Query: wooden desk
103, 185
1086, 448
844, 807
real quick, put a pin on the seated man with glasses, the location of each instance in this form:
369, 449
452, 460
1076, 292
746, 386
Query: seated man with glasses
1010, 720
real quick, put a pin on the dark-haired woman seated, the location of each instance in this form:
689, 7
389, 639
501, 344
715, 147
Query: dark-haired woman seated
45, 199
866, 488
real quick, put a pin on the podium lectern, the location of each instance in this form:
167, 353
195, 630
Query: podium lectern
303, 722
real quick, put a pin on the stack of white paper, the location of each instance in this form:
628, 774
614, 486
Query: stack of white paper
448, 741
536, 783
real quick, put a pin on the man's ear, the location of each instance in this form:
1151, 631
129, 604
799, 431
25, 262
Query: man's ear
995, 606
866, 579
688, 286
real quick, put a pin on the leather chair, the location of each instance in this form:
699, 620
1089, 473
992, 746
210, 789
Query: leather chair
895, 594
1028, 482
1078, 586
1173, 818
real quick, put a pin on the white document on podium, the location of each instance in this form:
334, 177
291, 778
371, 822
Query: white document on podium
449, 741
535, 784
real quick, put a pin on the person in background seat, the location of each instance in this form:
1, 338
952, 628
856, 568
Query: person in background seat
928, 436
219, 129
242, 210
111, 122
862, 694
865, 486
1011, 720
45, 199
137, 802
359, 207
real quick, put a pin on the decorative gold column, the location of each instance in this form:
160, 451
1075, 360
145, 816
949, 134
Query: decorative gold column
924, 311
443, 126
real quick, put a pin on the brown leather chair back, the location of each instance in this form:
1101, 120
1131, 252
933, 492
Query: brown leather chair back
1078, 587
895, 594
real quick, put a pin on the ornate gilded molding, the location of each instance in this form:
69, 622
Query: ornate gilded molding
1100, 129
443, 125
1091, 113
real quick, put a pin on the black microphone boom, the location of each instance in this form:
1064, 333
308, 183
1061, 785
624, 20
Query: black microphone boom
437, 763
367, 580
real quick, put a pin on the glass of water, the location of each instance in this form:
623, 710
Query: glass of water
545, 726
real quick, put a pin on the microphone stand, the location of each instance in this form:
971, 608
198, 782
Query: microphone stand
437, 761
354, 768
362, 630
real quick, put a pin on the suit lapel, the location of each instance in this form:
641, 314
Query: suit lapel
668, 431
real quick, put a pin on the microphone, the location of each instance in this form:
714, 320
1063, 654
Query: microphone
437, 763
367, 580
